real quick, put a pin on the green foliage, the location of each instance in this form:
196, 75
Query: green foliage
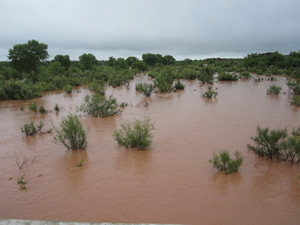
145, 88
164, 81
118, 79
56, 108
28, 57
18, 90
271, 144
140, 65
21, 182
178, 85
222, 161
131, 59
227, 77
64, 60
42, 110
245, 75
56, 68
295, 100
135, 134
33, 106
152, 59
99, 106
71, 134
31, 129
275, 90
293, 152
87, 61
68, 89
210, 93
294, 86
121, 63
97, 87
80, 163
168, 60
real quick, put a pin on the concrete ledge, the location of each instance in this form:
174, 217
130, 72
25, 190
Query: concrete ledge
40, 222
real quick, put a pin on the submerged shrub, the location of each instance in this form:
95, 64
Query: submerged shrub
178, 85
245, 75
164, 81
271, 144
275, 90
33, 106
42, 110
99, 106
222, 161
227, 77
295, 100
31, 129
68, 89
210, 93
71, 133
145, 88
294, 86
135, 134
56, 108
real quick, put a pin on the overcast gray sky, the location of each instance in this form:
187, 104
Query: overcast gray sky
183, 28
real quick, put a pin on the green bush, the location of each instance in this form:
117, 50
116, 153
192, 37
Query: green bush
56, 108
178, 85
97, 87
135, 134
145, 88
33, 106
99, 106
210, 93
222, 161
275, 90
68, 89
295, 100
293, 153
42, 110
245, 75
71, 134
31, 129
227, 77
271, 144
164, 81
294, 86
21, 182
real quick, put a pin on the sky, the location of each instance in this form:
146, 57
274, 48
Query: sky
194, 29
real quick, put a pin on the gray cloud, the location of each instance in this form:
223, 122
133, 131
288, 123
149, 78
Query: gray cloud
183, 28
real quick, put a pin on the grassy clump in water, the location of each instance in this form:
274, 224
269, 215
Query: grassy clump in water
227, 76
222, 161
99, 106
71, 134
210, 93
135, 134
145, 88
274, 90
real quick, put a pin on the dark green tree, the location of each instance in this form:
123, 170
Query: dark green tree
87, 61
28, 57
152, 59
64, 60
121, 63
131, 59
168, 60
111, 61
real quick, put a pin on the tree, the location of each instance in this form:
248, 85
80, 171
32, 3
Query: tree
28, 57
121, 63
140, 65
64, 60
131, 59
87, 61
111, 61
152, 59
168, 60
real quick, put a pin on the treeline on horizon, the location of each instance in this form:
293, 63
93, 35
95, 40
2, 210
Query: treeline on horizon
28, 73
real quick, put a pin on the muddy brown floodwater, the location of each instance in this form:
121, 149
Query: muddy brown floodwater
172, 182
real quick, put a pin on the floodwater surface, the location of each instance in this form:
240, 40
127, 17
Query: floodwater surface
172, 181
